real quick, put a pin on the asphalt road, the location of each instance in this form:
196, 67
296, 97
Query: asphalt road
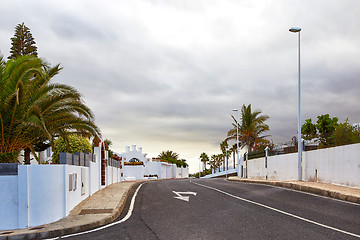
231, 210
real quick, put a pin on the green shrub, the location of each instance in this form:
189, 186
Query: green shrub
76, 144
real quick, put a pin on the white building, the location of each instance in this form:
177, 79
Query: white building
137, 166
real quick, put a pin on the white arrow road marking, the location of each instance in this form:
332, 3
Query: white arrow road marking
184, 198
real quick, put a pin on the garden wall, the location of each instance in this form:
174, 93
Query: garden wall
40, 194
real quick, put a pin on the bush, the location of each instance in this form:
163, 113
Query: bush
76, 144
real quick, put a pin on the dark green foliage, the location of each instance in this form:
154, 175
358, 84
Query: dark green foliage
326, 127
108, 144
70, 144
346, 134
329, 132
34, 109
203, 173
308, 130
22, 43
172, 157
204, 158
251, 127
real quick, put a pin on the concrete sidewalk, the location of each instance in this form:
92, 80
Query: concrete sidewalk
99, 209
323, 189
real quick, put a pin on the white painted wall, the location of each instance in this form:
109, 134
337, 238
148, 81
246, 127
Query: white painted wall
8, 202
153, 168
182, 172
93, 181
338, 165
40, 194
134, 171
185, 172
163, 171
73, 198
133, 153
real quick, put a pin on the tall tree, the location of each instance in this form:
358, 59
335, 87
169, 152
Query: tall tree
204, 158
308, 130
251, 128
33, 108
22, 43
326, 127
323, 130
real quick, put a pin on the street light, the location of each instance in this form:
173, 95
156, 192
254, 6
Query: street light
297, 30
237, 144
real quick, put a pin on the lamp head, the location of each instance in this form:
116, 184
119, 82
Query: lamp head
295, 29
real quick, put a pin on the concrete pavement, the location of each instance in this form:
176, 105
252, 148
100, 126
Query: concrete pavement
107, 204
324, 189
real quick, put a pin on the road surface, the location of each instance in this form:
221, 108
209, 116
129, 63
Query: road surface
219, 209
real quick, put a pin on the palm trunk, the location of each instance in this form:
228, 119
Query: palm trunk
27, 156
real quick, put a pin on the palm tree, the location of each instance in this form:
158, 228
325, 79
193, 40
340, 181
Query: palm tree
169, 156
233, 151
183, 163
213, 162
251, 128
204, 158
33, 109
223, 146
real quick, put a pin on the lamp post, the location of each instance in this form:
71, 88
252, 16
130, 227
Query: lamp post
237, 145
226, 164
297, 30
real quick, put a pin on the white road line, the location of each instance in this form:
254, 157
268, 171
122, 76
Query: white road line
280, 211
128, 215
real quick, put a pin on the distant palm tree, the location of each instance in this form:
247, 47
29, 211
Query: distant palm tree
184, 163
169, 156
223, 146
204, 158
233, 151
213, 162
33, 109
251, 128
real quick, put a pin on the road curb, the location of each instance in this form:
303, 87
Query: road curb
77, 228
299, 187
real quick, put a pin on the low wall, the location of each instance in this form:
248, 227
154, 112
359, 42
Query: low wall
338, 165
182, 172
134, 171
39, 194
9, 202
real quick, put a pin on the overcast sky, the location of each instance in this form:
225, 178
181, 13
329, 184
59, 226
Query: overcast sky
165, 75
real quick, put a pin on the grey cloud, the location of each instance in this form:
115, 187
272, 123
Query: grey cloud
170, 81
